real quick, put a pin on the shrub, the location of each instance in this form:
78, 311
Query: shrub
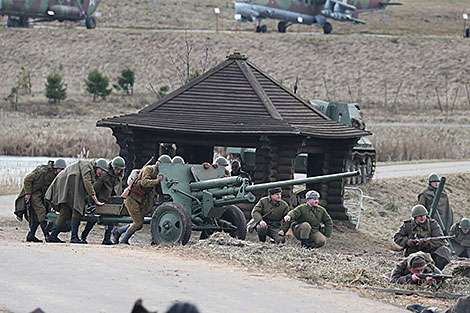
97, 85
55, 90
126, 81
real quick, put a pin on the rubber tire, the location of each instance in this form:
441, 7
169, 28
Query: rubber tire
234, 215
90, 22
327, 28
281, 27
184, 223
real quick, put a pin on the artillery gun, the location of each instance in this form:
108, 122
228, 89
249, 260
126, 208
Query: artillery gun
196, 197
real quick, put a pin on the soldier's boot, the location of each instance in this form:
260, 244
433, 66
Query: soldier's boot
117, 232
53, 237
262, 237
125, 239
43, 225
31, 237
107, 234
75, 223
86, 231
440, 262
305, 244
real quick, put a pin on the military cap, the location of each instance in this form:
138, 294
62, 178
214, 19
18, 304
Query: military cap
102, 163
433, 177
465, 223
417, 261
59, 163
273, 191
312, 194
418, 210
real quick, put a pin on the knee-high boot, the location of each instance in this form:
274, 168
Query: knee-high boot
75, 223
31, 237
54, 233
107, 234
43, 225
87, 230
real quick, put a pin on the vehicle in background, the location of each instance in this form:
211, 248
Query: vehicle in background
20, 12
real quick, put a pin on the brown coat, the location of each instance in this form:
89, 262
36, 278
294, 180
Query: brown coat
402, 275
426, 197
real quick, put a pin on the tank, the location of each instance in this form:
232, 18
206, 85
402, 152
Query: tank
363, 155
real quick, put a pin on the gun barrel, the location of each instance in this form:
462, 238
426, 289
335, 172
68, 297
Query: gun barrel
216, 183
301, 181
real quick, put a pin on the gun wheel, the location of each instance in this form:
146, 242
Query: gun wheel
170, 223
234, 215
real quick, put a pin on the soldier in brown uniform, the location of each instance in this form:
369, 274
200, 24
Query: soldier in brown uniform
34, 187
307, 221
421, 226
107, 185
68, 195
140, 200
426, 198
407, 271
461, 242
268, 213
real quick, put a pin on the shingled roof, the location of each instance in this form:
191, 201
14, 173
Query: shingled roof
235, 97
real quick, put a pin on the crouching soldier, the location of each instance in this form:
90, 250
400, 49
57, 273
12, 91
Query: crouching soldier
410, 269
461, 242
32, 195
107, 185
140, 200
268, 213
68, 195
307, 221
411, 233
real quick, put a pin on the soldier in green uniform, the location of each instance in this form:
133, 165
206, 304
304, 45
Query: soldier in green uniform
407, 271
107, 185
34, 187
268, 213
68, 195
426, 197
461, 242
140, 200
307, 220
421, 226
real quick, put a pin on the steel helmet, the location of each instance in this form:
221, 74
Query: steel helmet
312, 194
59, 163
418, 210
433, 177
118, 162
221, 161
177, 160
102, 163
164, 158
465, 223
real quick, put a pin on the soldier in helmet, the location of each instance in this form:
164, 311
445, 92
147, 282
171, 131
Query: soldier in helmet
268, 213
237, 170
421, 226
221, 161
32, 195
408, 269
306, 222
140, 200
426, 198
461, 242
68, 194
107, 185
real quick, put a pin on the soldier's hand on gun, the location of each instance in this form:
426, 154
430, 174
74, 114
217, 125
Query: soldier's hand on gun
287, 218
27, 198
429, 280
415, 277
423, 243
410, 242
263, 224
281, 233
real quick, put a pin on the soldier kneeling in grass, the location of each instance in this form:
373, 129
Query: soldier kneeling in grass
307, 220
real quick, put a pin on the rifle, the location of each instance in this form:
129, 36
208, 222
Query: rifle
434, 275
426, 239
126, 191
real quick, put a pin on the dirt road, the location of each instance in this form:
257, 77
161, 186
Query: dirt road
421, 169
95, 278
